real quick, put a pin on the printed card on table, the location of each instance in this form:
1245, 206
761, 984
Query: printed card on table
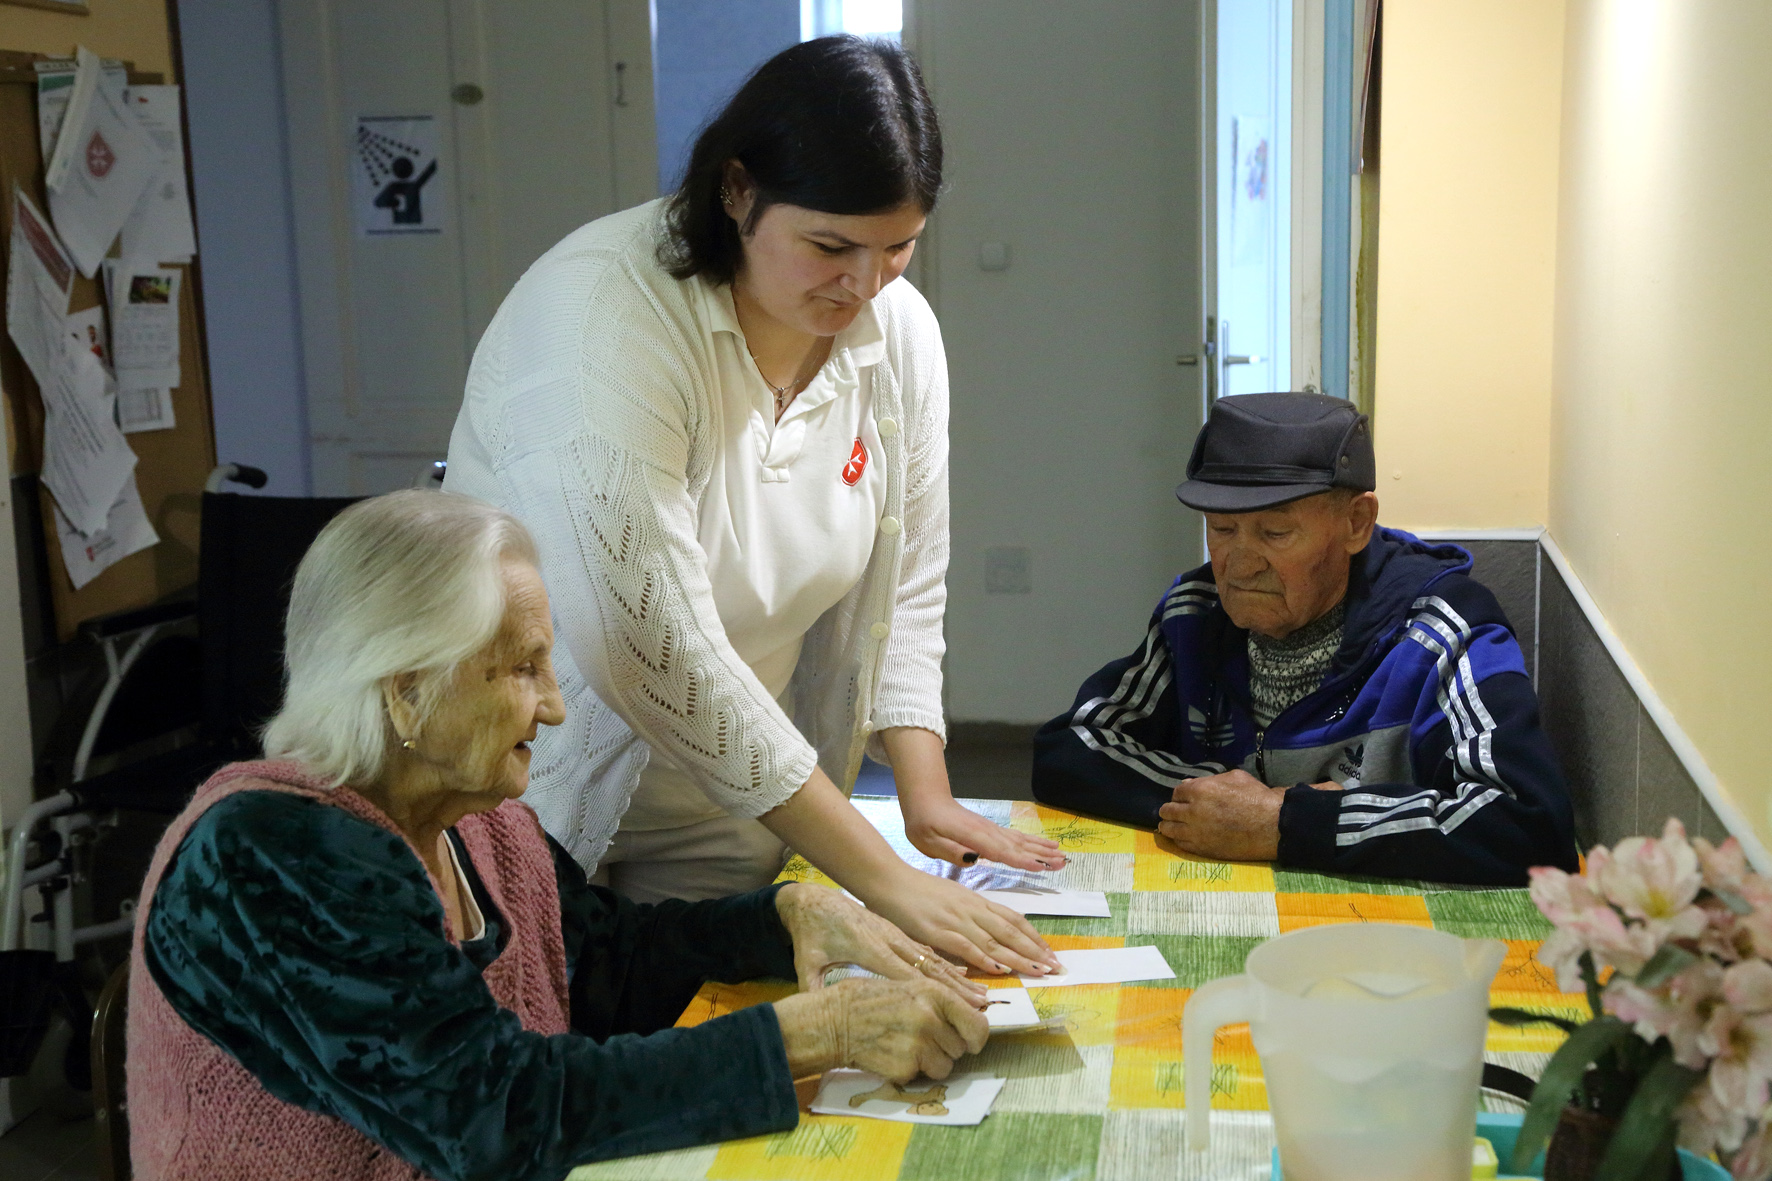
959, 1099
1048, 900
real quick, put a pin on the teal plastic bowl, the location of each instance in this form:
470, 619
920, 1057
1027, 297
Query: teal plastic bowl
1503, 1130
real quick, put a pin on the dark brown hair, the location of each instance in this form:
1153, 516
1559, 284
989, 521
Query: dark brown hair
838, 124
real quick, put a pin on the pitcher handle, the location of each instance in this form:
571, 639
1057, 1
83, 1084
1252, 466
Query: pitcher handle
1224, 1001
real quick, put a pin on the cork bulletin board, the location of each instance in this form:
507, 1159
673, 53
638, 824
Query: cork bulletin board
171, 464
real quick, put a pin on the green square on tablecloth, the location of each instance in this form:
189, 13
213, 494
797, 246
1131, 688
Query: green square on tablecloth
1007, 1146
1197, 958
1115, 924
1299, 881
1488, 914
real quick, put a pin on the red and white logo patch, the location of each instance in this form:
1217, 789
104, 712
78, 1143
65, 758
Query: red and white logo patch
99, 156
858, 463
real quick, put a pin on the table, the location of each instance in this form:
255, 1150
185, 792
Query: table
1103, 1099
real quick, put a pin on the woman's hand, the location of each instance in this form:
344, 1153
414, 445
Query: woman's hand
828, 928
963, 924
940, 827
896, 1029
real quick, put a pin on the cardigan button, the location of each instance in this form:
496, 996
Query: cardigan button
890, 526
889, 428
879, 631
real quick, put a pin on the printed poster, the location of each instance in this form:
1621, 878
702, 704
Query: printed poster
395, 186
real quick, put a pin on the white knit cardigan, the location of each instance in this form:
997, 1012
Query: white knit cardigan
592, 414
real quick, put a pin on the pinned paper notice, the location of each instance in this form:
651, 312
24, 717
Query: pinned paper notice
144, 323
159, 228
102, 162
39, 280
959, 1099
86, 460
126, 531
1107, 965
394, 182
55, 86
145, 410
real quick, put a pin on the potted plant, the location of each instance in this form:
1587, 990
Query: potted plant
1671, 939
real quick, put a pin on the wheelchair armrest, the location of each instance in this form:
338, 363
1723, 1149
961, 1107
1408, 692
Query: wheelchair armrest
123, 622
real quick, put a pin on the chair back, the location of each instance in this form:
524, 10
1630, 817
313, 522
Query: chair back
251, 547
110, 1111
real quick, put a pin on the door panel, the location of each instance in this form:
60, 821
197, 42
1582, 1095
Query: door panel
522, 94
1072, 135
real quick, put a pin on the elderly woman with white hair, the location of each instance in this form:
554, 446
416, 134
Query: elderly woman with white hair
364, 958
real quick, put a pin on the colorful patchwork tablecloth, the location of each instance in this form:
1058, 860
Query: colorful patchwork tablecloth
1103, 1098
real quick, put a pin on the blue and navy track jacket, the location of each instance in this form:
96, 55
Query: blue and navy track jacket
1426, 717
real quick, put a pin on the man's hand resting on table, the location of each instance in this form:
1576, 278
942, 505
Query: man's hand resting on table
1232, 816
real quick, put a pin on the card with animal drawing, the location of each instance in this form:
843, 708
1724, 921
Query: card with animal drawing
958, 1099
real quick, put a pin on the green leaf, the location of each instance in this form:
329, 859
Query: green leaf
1561, 1075
1647, 1127
1590, 977
1664, 965
1505, 1016
1735, 902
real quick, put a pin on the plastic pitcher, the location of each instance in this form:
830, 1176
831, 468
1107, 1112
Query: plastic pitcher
1371, 1042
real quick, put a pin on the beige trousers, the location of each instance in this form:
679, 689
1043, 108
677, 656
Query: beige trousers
711, 859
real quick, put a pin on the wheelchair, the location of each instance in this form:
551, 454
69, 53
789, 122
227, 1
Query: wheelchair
192, 704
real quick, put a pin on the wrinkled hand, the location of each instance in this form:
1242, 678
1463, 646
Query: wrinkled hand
1232, 816
828, 928
953, 832
896, 1029
963, 924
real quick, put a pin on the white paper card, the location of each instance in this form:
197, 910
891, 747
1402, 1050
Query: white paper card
145, 410
1011, 1009
102, 162
55, 86
86, 460
39, 279
127, 531
1106, 965
958, 1099
1032, 899
159, 229
144, 324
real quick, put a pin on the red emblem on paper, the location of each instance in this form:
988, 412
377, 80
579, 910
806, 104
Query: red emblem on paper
858, 463
99, 156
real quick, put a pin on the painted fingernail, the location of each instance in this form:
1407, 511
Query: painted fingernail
1001, 970
969, 858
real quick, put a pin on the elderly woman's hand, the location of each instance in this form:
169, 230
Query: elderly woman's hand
896, 1029
828, 928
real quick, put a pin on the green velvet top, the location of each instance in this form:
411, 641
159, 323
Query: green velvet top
307, 944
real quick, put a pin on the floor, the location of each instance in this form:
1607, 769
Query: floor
46, 1148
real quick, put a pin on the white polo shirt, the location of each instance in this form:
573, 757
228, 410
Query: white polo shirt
788, 520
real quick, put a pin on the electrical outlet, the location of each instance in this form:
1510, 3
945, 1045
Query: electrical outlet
1008, 570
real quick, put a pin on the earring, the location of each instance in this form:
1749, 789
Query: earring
725, 195
409, 744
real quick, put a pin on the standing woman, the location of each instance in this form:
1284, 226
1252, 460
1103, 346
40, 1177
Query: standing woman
725, 421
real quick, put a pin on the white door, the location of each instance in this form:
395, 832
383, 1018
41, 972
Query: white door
438, 147
1250, 302
1065, 263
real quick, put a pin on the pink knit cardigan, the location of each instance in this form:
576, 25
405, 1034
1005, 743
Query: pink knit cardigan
196, 1114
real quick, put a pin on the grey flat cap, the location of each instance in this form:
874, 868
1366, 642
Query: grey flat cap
1259, 451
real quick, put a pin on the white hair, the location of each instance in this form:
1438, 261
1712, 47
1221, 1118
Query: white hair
411, 582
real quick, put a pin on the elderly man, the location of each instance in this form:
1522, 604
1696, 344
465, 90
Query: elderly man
1327, 693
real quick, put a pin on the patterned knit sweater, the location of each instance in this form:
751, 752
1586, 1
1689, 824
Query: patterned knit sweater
298, 1008
591, 413
1285, 671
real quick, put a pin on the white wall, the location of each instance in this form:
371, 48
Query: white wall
1072, 136
233, 95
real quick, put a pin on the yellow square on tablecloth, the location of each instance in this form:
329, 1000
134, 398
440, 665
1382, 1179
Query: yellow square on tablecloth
822, 1148
1148, 1064
717, 1000
1074, 834
1156, 868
